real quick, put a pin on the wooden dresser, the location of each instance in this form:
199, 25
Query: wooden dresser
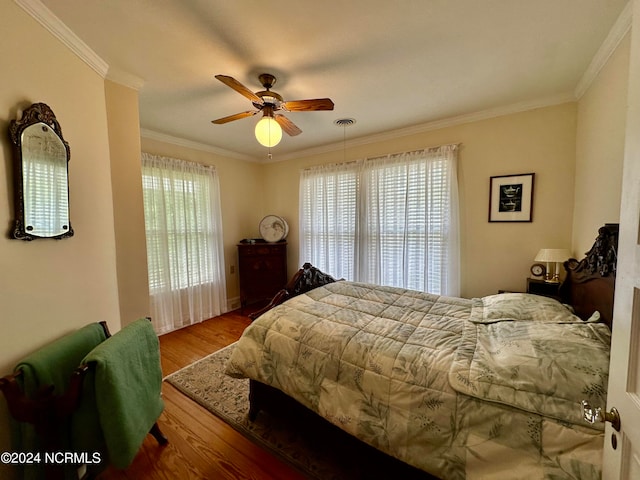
262, 267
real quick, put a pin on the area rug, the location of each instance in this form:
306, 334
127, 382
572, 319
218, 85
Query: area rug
313, 447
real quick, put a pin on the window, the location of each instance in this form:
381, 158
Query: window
328, 212
390, 220
183, 227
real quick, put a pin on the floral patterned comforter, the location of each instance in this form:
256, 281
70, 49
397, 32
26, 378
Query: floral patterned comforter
478, 389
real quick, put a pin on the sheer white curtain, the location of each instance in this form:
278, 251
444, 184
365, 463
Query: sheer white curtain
183, 223
410, 216
328, 218
390, 220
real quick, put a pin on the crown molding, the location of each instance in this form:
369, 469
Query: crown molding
181, 142
369, 139
39, 12
434, 125
615, 36
124, 78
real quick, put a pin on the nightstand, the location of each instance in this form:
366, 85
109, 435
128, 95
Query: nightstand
540, 287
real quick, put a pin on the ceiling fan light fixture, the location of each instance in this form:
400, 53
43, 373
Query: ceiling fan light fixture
268, 132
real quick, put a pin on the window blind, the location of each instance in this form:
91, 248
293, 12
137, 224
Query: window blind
183, 224
390, 220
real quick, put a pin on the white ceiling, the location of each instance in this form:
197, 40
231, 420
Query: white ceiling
389, 64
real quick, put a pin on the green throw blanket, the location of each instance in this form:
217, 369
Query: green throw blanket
128, 379
53, 364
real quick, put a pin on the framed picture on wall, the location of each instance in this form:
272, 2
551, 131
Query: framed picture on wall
511, 198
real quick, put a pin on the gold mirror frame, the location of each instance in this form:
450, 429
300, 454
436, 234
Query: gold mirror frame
41, 175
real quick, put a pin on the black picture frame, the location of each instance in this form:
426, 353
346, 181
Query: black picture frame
511, 198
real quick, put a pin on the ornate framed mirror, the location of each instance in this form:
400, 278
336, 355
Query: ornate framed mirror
41, 175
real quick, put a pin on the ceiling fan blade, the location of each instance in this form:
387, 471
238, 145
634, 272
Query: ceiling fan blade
287, 125
237, 116
308, 105
238, 87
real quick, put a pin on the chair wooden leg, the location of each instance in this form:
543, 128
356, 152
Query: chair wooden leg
158, 435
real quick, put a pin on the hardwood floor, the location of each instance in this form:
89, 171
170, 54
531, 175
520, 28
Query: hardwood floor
201, 446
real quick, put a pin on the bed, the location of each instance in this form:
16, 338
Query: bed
459, 388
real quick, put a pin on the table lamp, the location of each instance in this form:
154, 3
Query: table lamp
555, 256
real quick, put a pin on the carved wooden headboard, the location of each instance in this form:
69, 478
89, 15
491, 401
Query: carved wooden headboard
590, 282
305, 279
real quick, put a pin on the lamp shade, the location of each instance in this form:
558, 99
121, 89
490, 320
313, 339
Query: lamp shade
268, 132
551, 255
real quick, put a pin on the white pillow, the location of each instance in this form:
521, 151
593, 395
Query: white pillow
522, 307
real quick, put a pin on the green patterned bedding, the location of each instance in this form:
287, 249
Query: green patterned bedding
478, 389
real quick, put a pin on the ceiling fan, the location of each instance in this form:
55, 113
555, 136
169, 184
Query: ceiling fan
269, 128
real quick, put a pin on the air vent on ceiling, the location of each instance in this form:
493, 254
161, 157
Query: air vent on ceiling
345, 122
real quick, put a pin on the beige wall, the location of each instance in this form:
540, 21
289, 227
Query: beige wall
242, 200
494, 255
599, 149
126, 174
51, 287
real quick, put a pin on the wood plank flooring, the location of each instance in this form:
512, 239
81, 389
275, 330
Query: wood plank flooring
201, 446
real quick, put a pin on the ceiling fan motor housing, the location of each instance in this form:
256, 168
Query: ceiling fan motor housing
267, 96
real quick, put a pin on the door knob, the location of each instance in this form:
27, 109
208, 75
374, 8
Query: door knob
594, 415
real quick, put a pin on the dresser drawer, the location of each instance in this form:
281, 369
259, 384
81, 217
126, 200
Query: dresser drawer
261, 250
